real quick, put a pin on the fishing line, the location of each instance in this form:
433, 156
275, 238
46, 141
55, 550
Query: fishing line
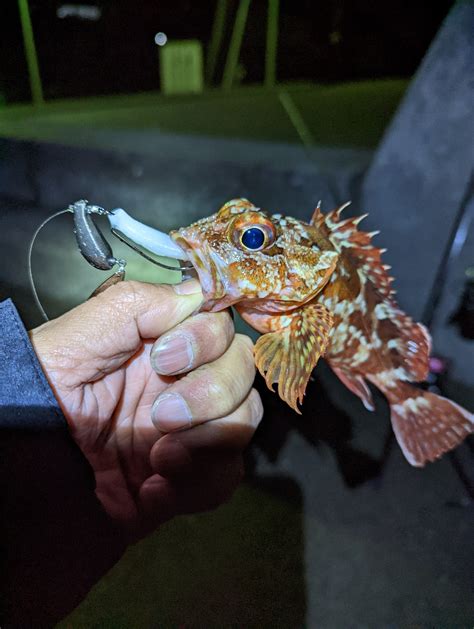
30, 267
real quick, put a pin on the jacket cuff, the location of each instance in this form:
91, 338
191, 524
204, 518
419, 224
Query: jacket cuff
26, 399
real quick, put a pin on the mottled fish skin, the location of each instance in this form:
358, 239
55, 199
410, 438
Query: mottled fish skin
287, 273
320, 289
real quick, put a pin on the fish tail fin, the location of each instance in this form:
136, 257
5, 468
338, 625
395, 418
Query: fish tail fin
425, 424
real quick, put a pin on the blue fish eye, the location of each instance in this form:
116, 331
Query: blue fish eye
253, 238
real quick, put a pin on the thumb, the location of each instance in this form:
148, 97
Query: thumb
113, 323
154, 308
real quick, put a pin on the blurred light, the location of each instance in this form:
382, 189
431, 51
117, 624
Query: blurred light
160, 39
437, 365
81, 11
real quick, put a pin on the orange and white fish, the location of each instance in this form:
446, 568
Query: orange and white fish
320, 289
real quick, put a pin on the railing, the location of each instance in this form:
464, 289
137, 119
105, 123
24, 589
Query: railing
215, 46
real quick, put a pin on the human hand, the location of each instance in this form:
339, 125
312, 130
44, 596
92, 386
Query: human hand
160, 442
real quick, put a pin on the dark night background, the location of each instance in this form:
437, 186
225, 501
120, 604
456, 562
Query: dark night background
328, 41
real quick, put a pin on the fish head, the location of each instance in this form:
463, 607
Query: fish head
270, 263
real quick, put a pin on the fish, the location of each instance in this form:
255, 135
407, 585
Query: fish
320, 289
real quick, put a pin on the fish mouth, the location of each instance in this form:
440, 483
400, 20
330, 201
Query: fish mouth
205, 267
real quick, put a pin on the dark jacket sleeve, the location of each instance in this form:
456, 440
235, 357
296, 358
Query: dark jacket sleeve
56, 541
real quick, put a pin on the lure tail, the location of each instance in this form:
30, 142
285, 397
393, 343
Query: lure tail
426, 425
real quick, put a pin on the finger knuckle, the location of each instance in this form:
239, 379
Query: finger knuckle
227, 323
214, 329
124, 293
246, 342
222, 387
255, 407
245, 348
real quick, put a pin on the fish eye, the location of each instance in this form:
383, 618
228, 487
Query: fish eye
252, 231
254, 238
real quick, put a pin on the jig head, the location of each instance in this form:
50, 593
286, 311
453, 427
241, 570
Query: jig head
90, 240
96, 250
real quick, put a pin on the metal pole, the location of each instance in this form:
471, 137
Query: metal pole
30, 53
297, 120
235, 44
271, 43
218, 28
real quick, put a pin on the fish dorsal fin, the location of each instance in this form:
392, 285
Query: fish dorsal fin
319, 218
346, 237
288, 355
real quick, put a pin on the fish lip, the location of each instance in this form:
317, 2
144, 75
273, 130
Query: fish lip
203, 265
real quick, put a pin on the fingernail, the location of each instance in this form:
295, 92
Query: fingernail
189, 287
172, 354
170, 412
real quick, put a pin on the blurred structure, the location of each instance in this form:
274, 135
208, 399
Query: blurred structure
108, 46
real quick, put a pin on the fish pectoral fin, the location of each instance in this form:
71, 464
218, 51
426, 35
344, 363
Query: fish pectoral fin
288, 355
